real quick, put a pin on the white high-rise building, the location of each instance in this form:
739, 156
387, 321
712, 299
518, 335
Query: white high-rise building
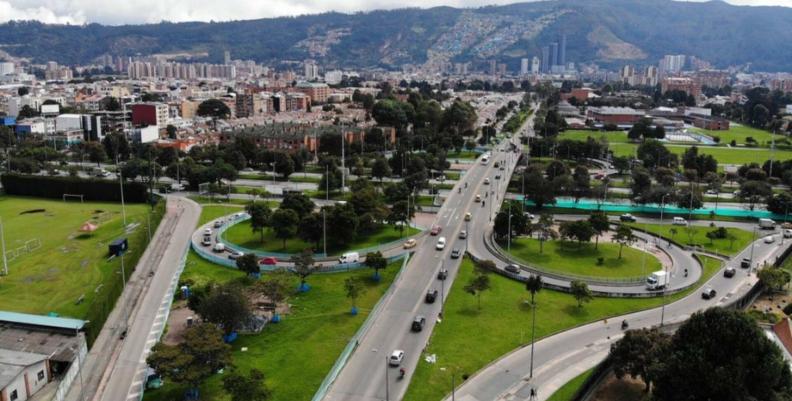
524, 66
536, 65
672, 64
311, 71
6, 68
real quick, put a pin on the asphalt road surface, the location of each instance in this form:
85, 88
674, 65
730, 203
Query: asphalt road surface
366, 376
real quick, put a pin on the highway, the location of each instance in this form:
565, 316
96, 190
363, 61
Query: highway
366, 376
561, 357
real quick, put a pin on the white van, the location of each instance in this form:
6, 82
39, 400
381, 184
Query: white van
441, 242
485, 159
678, 221
349, 257
219, 247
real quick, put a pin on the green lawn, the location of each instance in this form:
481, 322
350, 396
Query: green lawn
569, 257
69, 264
568, 390
738, 133
296, 354
582, 135
697, 235
724, 155
242, 235
469, 338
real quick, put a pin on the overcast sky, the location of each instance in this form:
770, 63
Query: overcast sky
117, 12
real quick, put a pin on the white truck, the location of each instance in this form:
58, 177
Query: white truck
657, 280
766, 224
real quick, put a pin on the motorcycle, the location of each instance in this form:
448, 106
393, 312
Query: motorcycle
459, 190
483, 203
624, 325
401, 373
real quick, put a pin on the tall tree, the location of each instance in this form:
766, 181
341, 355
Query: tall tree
376, 261
299, 202
198, 357
624, 236
477, 284
213, 108
598, 221
544, 228
722, 354
353, 288
581, 292
260, 215
284, 224
304, 267
226, 306
638, 353
311, 229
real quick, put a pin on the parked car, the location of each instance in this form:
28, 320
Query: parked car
431, 296
627, 218
462, 234
729, 272
396, 357
456, 253
418, 323
708, 293
512, 268
442, 274
436, 230
745, 263
410, 243
268, 260
441, 242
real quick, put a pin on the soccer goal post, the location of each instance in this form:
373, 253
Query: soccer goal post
73, 196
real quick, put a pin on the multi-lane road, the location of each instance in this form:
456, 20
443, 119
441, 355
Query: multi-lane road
366, 376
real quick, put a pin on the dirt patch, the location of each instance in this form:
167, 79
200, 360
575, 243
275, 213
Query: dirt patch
177, 323
772, 304
626, 389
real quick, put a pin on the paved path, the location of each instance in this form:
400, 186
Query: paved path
114, 368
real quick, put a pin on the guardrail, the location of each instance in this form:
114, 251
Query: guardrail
354, 342
285, 256
591, 280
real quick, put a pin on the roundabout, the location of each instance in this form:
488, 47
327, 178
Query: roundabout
210, 241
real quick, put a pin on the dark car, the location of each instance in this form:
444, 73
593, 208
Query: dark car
708, 293
418, 323
497, 176
627, 218
512, 268
431, 296
455, 253
729, 272
745, 263
442, 274
436, 230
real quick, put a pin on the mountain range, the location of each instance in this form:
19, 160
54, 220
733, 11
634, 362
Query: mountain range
608, 32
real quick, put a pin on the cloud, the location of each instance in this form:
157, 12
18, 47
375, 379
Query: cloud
118, 12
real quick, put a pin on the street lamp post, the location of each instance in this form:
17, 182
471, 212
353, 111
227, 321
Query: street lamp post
533, 338
387, 395
324, 230
510, 233
753, 242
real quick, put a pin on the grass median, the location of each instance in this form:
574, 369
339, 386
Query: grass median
735, 241
566, 257
468, 338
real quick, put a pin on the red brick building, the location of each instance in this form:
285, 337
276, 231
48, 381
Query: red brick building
615, 115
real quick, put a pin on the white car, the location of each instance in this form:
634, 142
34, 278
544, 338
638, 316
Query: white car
396, 357
769, 239
787, 233
486, 181
441, 243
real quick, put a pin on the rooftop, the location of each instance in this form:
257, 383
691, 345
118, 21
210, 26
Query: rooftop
12, 363
43, 321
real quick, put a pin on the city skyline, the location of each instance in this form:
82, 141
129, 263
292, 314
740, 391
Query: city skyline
149, 11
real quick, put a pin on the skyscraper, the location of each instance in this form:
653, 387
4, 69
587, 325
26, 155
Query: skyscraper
226, 57
545, 59
562, 50
536, 65
524, 66
553, 54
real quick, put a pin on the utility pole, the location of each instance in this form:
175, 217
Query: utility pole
509, 246
324, 229
343, 165
753, 242
2, 240
533, 333
121, 183
327, 182
387, 395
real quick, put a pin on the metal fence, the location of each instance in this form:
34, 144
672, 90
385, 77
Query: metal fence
355, 341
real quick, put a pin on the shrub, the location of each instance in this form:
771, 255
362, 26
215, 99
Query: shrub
788, 309
55, 187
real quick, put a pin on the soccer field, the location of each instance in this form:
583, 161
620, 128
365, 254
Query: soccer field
54, 267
